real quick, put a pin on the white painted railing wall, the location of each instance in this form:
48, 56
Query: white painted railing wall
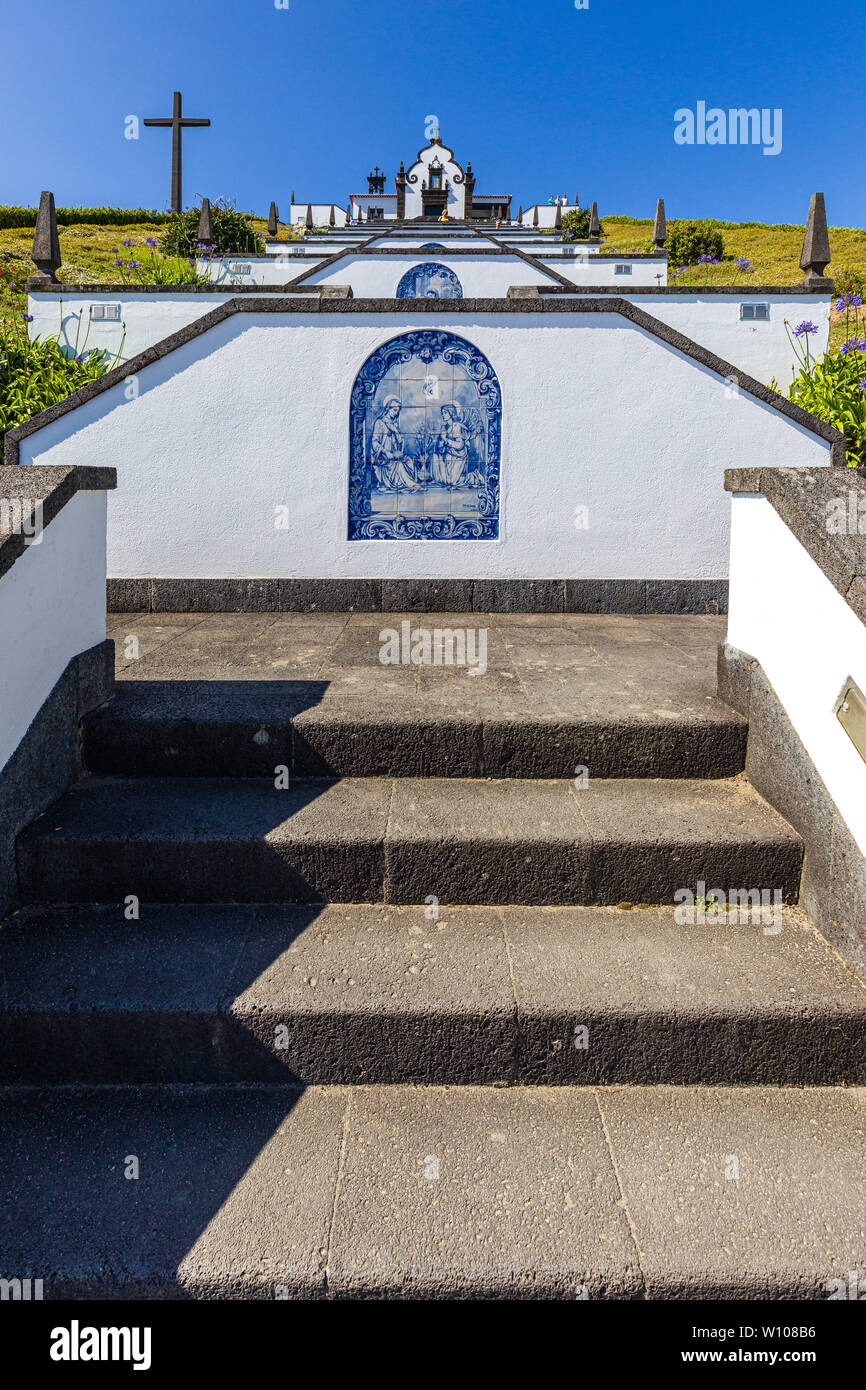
785, 612
52, 607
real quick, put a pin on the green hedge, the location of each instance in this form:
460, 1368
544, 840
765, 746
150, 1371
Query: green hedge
105, 217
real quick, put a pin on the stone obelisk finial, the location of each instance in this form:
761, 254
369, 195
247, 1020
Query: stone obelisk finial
46, 243
308, 220
535, 216
205, 223
594, 226
332, 220
557, 219
816, 243
660, 226
520, 215
273, 220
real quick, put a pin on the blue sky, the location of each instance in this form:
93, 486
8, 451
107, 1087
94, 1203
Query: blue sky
541, 96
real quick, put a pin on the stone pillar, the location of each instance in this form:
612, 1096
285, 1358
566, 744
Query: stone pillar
470, 189
205, 223
660, 226
401, 193
816, 244
46, 242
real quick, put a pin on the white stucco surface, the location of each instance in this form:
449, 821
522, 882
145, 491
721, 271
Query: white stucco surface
253, 416
590, 270
377, 277
52, 606
785, 612
263, 270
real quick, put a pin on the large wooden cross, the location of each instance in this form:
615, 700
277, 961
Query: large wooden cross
177, 123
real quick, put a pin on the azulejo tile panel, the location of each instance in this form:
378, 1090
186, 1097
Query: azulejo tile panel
425, 442
432, 246
430, 281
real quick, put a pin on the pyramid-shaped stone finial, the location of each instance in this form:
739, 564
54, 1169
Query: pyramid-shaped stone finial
660, 226
332, 220
46, 243
594, 225
520, 214
205, 223
308, 220
293, 197
535, 216
273, 220
816, 242
557, 220
577, 200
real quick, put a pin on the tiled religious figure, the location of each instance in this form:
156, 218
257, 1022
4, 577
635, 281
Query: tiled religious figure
430, 281
426, 420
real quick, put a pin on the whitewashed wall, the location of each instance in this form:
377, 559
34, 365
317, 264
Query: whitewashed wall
148, 318
377, 277
52, 607
590, 270
785, 612
264, 270
546, 214
321, 215
254, 415
762, 350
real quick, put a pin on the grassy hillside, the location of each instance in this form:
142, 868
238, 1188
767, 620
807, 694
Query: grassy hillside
774, 252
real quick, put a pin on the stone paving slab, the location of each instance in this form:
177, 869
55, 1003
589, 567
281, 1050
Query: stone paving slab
435, 1192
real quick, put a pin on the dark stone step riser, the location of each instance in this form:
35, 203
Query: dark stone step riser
416, 749
485, 873
89, 1048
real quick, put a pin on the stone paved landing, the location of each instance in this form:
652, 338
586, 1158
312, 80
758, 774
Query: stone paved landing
426, 1191
603, 665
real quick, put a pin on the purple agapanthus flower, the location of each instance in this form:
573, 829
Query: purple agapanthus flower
28, 318
805, 328
130, 242
863, 384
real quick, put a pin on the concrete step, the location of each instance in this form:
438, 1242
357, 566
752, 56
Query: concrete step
433, 1192
360, 994
247, 728
404, 841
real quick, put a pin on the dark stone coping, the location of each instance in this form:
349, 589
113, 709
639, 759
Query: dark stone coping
47, 760
60, 291
609, 255
53, 486
833, 884
802, 496
574, 304
418, 595
738, 292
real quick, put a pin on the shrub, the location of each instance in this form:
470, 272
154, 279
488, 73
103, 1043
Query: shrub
576, 224
37, 373
688, 241
849, 280
231, 232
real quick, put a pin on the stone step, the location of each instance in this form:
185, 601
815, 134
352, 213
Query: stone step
359, 994
246, 729
433, 1192
405, 841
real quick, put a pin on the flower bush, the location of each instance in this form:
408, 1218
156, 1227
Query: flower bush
159, 268
232, 232
37, 372
833, 386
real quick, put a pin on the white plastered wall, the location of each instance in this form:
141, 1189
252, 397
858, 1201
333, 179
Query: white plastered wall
52, 607
785, 612
253, 416
377, 277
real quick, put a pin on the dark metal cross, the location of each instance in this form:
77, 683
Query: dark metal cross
177, 123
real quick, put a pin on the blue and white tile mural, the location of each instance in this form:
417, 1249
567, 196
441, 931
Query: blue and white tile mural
430, 281
426, 422
432, 246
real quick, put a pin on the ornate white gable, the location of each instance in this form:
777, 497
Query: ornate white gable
435, 170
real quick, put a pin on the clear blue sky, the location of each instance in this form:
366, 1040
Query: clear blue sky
542, 98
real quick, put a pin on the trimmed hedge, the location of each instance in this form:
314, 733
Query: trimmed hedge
106, 217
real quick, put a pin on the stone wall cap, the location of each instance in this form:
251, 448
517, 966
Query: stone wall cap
52, 485
818, 506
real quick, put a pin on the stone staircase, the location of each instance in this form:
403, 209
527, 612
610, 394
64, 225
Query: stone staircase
422, 1023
